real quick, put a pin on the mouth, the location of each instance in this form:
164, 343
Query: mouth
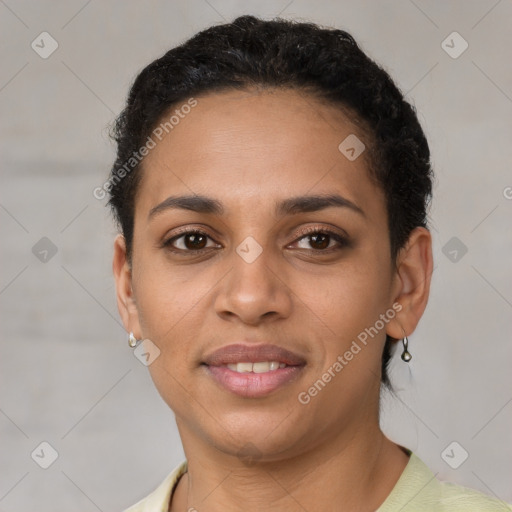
259, 367
253, 371
240, 353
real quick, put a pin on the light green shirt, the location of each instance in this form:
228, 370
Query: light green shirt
417, 490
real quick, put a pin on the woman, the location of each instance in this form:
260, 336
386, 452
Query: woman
271, 186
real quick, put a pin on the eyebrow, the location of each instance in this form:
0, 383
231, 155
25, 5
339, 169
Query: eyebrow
305, 204
290, 206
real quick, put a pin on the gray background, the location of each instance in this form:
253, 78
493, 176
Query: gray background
67, 374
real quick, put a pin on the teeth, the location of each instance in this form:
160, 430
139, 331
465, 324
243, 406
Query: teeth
261, 367
244, 367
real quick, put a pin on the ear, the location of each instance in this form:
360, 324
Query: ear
124, 292
412, 283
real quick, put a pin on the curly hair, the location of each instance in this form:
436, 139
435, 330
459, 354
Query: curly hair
325, 63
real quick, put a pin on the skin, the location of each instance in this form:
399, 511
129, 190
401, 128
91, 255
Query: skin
249, 150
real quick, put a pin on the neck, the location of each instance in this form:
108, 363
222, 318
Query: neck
357, 472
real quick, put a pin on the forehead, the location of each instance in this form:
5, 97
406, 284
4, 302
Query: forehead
238, 145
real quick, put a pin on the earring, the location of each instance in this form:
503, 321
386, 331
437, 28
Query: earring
406, 356
132, 340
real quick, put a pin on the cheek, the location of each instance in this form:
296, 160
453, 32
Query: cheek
347, 298
170, 315
167, 303
175, 311
161, 299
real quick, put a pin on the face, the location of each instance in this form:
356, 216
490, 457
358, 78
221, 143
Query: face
262, 258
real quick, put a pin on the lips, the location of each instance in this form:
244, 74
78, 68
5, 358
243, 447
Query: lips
253, 371
241, 353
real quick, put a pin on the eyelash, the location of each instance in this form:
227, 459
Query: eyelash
341, 240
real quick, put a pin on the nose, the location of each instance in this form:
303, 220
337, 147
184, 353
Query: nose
254, 292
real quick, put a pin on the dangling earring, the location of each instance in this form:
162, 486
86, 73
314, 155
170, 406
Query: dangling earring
132, 340
406, 356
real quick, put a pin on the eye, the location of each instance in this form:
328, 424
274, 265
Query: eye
321, 240
190, 241
313, 239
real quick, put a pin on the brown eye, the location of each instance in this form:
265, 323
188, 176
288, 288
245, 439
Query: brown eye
322, 241
190, 241
195, 241
319, 241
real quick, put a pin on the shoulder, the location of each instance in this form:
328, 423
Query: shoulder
158, 500
455, 497
419, 490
